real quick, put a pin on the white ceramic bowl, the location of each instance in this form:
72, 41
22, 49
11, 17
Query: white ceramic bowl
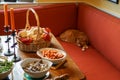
55, 61
5, 74
38, 74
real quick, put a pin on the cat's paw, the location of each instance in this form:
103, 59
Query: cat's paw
84, 47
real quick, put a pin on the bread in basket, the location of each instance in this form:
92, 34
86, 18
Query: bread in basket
33, 38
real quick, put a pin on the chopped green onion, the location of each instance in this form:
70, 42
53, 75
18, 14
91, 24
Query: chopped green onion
5, 66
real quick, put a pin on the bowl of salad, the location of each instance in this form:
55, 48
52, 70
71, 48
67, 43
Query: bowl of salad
35, 67
54, 55
5, 67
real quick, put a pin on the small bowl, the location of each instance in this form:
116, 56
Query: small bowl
36, 74
5, 74
55, 61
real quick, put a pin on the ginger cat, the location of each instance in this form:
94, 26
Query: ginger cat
75, 36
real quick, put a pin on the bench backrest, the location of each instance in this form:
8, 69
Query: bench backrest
103, 31
57, 17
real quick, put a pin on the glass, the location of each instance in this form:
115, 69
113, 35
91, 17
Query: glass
1, 46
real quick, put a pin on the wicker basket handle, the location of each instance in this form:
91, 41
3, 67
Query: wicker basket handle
27, 27
27, 18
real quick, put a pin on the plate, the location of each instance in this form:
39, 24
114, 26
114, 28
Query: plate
27, 77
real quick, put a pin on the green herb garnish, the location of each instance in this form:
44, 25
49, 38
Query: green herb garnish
5, 66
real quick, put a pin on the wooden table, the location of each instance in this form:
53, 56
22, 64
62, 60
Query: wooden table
70, 67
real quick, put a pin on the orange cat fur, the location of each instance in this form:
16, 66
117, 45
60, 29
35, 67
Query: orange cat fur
75, 36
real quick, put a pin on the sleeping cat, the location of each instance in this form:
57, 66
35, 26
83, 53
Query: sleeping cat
75, 36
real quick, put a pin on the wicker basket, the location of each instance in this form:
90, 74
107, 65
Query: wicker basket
39, 43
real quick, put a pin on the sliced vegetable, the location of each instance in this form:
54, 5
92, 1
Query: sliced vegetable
5, 66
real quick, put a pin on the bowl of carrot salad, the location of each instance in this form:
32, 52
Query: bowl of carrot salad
52, 54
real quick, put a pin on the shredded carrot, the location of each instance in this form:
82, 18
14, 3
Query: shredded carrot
52, 54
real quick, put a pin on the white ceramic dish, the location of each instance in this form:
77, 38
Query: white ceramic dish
38, 74
55, 61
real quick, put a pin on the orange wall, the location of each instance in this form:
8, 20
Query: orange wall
105, 5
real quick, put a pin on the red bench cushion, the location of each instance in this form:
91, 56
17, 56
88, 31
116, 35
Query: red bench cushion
94, 65
103, 31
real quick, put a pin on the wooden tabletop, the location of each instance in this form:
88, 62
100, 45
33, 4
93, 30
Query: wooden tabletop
69, 67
